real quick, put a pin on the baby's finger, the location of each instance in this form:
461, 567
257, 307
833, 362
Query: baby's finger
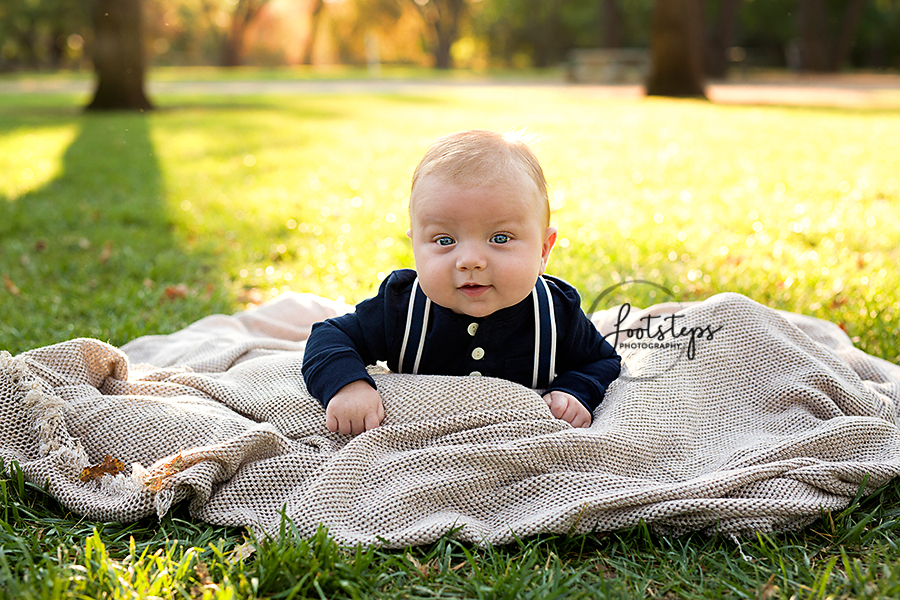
581, 420
331, 423
558, 405
577, 415
372, 420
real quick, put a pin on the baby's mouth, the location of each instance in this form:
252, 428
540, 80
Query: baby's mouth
473, 289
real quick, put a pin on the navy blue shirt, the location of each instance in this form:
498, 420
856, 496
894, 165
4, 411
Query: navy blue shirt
339, 349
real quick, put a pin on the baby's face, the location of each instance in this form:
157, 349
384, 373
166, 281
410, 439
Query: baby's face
478, 249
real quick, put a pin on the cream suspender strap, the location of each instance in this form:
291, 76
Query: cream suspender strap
416, 325
544, 336
419, 310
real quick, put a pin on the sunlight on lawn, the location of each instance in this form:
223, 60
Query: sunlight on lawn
794, 207
31, 157
120, 225
786, 205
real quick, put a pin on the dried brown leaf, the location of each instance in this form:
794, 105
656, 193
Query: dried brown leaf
109, 466
175, 292
204, 581
10, 286
250, 296
176, 464
769, 590
424, 570
106, 253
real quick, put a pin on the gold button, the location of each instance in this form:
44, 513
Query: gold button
478, 353
475, 374
473, 327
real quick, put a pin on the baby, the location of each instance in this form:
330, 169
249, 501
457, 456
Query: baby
477, 304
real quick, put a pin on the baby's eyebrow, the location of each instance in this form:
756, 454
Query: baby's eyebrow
441, 223
509, 224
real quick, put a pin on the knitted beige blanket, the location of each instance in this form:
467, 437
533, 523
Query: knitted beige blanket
728, 416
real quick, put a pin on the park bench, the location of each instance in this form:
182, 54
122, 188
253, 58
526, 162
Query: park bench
608, 65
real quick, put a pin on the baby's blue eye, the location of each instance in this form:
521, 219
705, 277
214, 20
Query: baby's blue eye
444, 241
500, 238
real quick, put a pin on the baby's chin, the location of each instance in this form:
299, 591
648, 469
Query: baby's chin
480, 312
474, 312
478, 305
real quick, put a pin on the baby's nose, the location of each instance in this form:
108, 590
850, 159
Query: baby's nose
470, 258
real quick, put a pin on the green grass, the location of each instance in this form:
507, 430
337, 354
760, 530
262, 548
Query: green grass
388, 72
46, 553
119, 225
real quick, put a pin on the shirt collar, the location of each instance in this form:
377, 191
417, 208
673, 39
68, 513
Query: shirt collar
510, 313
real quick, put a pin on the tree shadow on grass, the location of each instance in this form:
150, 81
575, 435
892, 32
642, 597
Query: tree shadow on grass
91, 253
815, 109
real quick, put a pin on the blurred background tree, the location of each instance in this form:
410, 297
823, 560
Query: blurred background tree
810, 35
244, 13
827, 32
676, 49
723, 27
41, 34
118, 55
443, 20
540, 33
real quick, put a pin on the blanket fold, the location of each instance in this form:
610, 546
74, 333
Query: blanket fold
728, 416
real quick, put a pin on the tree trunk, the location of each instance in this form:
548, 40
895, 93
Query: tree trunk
612, 24
819, 50
840, 54
814, 47
232, 48
443, 59
715, 57
443, 17
118, 55
57, 47
544, 34
306, 56
233, 44
28, 41
676, 48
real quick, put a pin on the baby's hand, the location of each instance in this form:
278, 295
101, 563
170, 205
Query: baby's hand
357, 407
566, 407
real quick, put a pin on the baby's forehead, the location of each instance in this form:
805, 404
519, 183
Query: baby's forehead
533, 202
510, 183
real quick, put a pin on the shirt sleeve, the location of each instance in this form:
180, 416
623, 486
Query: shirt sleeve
586, 364
339, 349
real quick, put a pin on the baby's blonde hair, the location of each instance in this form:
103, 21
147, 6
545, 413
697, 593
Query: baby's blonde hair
481, 158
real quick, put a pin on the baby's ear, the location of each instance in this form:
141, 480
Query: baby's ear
547, 246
